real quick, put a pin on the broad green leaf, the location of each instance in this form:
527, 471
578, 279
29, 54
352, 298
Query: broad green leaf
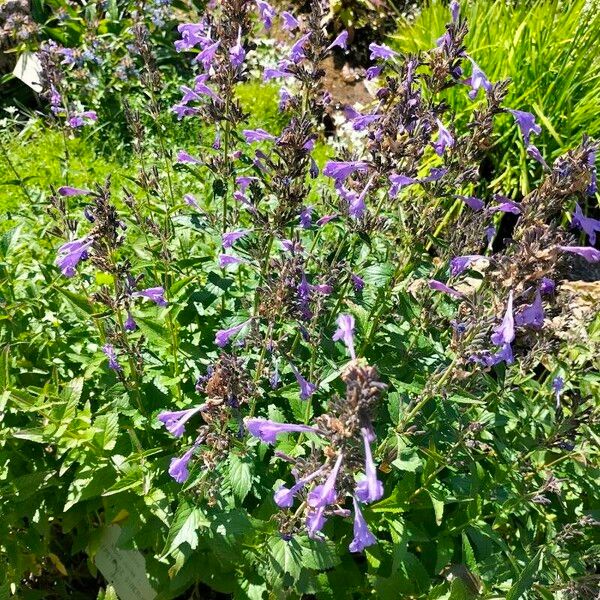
184, 529
240, 475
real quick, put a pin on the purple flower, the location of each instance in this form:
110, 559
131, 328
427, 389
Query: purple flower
361, 122
435, 174
130, 324
532, 315
178, 469
237, 54
370, 489
79, 120
325, 494
362, 534
381, 51
226, 260
478, 80
590, 254
459, 264
307, 389
454, 10
267, 431
273, 73
156, 294
357, 282
587, 224
266, 13
229, 238
297, 50
507, 206
547, 286
558, 385
489, 360
289, 21
322, 289
207, 56
244, 181
201, 88
357, 206
191, 35
472, 202
285, 99
438, 286
257, 135
184, 157
66, 190
505, 332
444, 140
70, 254
341, 41
224, 335
536, 154
190, 201
184, 111
284, 497
325, 219
340, 170
175, 421
306, 217
345, 332
399, 182
315, 521
526, 123
113, 363
490, 233
373, 72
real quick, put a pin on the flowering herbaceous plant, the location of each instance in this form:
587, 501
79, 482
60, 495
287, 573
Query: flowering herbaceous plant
314, 347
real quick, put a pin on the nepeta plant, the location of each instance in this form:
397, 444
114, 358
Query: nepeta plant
290, 295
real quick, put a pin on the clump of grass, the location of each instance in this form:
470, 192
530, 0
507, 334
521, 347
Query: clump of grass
546, 48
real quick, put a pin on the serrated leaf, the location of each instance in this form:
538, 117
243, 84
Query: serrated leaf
108, 429
240, 475
286, 556
184, 529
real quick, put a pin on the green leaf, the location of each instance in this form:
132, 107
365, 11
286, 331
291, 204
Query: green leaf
240, 475
320, 555
157, 334
408, 460
286, 556
108, 429
79, 303
526, 578
184, 528
437, 500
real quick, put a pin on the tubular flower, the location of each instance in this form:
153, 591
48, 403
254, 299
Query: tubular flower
267, 431
345, 332
307, 389
224, 335
178, 469
505, 332
175, 421
325, 494
71, 254
156, 294
370, 489
362, 534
